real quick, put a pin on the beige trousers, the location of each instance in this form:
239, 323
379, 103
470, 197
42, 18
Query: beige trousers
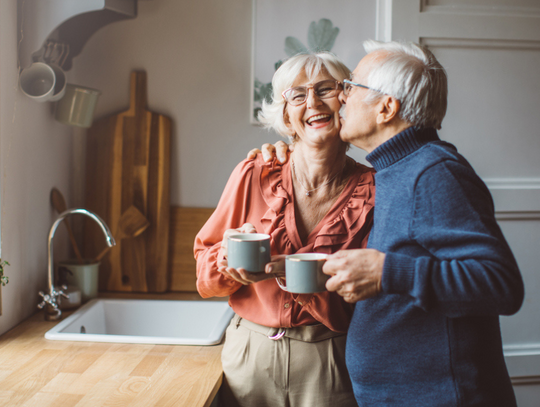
305, 367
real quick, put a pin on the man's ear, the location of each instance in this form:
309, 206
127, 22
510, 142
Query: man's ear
388, 109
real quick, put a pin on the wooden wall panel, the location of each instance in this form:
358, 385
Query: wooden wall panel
184, 226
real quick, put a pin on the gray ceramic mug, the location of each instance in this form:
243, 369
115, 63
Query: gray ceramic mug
303, 272
249, 251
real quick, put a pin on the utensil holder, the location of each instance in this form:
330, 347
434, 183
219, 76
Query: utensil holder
85, 276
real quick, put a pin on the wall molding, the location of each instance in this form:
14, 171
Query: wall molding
515, 198
512, 183
532, 349
383, 20
525, 380
493, 10
523, 363
533, 45
463, 23
514, 216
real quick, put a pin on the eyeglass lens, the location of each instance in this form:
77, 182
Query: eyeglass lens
346, 88
324, 89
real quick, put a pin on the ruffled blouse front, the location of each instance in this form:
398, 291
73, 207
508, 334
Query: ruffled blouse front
262, 194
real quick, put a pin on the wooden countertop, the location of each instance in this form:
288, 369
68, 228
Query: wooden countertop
38, 372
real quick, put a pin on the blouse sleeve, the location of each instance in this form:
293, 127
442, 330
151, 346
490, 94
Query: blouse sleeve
229, 214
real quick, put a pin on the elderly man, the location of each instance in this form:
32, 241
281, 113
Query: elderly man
437, 272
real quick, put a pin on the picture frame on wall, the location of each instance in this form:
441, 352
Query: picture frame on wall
283, 28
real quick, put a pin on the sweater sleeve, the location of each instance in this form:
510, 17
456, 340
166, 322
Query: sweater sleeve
229, 214
470, 269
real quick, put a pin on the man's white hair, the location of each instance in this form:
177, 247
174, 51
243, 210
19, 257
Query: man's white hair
412, 74
272, 114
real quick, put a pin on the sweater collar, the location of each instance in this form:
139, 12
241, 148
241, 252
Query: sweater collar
401, 145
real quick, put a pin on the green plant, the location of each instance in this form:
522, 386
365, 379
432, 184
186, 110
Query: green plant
321, 37
3, 279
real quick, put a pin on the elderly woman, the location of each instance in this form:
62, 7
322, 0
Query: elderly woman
284, 349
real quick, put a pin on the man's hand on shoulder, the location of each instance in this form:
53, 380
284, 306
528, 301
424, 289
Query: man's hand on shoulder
270, 151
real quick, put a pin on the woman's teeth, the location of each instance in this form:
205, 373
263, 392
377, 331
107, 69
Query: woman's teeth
318, 117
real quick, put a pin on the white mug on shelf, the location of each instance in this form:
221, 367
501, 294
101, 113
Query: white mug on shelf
38, 82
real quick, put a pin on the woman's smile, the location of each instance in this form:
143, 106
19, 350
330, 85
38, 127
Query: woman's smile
319, 120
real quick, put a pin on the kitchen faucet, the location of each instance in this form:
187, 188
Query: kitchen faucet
50, 299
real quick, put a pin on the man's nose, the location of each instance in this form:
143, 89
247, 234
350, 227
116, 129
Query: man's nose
342, 98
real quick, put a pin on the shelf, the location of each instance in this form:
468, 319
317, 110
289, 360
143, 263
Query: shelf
66, 22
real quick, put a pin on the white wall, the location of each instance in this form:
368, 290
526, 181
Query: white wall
197, 55
35, 155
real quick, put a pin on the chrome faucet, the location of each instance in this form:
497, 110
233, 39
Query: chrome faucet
50, 299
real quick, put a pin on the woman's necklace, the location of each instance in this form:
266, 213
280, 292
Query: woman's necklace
309, 191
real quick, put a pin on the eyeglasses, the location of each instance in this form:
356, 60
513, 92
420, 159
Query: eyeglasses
324, 90
347, 86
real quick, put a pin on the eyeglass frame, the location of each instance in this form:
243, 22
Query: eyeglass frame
347, 93
312, 87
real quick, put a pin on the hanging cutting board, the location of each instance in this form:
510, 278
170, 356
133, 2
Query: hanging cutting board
128, 163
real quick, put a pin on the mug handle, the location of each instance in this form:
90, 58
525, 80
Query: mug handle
283, 287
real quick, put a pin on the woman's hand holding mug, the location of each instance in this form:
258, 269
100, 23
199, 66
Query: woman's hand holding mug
262, 267
246, 228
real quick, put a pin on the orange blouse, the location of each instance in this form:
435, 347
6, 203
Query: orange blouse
262, 194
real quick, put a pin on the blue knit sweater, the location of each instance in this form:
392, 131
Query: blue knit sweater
432, 337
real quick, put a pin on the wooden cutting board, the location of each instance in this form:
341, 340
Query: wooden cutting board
128, 163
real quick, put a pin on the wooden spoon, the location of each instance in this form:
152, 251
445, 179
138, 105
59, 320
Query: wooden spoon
59, 204
131, 224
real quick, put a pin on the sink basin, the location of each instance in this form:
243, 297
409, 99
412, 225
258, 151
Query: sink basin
164, 322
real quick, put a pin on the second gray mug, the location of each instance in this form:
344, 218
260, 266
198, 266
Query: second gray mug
303, 273
250, 251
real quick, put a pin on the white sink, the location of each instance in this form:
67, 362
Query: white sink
164, 322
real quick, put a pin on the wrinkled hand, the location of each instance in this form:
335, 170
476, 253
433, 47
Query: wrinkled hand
276, 268
356, 274
269, 151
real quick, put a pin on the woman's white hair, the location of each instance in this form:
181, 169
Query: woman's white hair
412, 74
272, 114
